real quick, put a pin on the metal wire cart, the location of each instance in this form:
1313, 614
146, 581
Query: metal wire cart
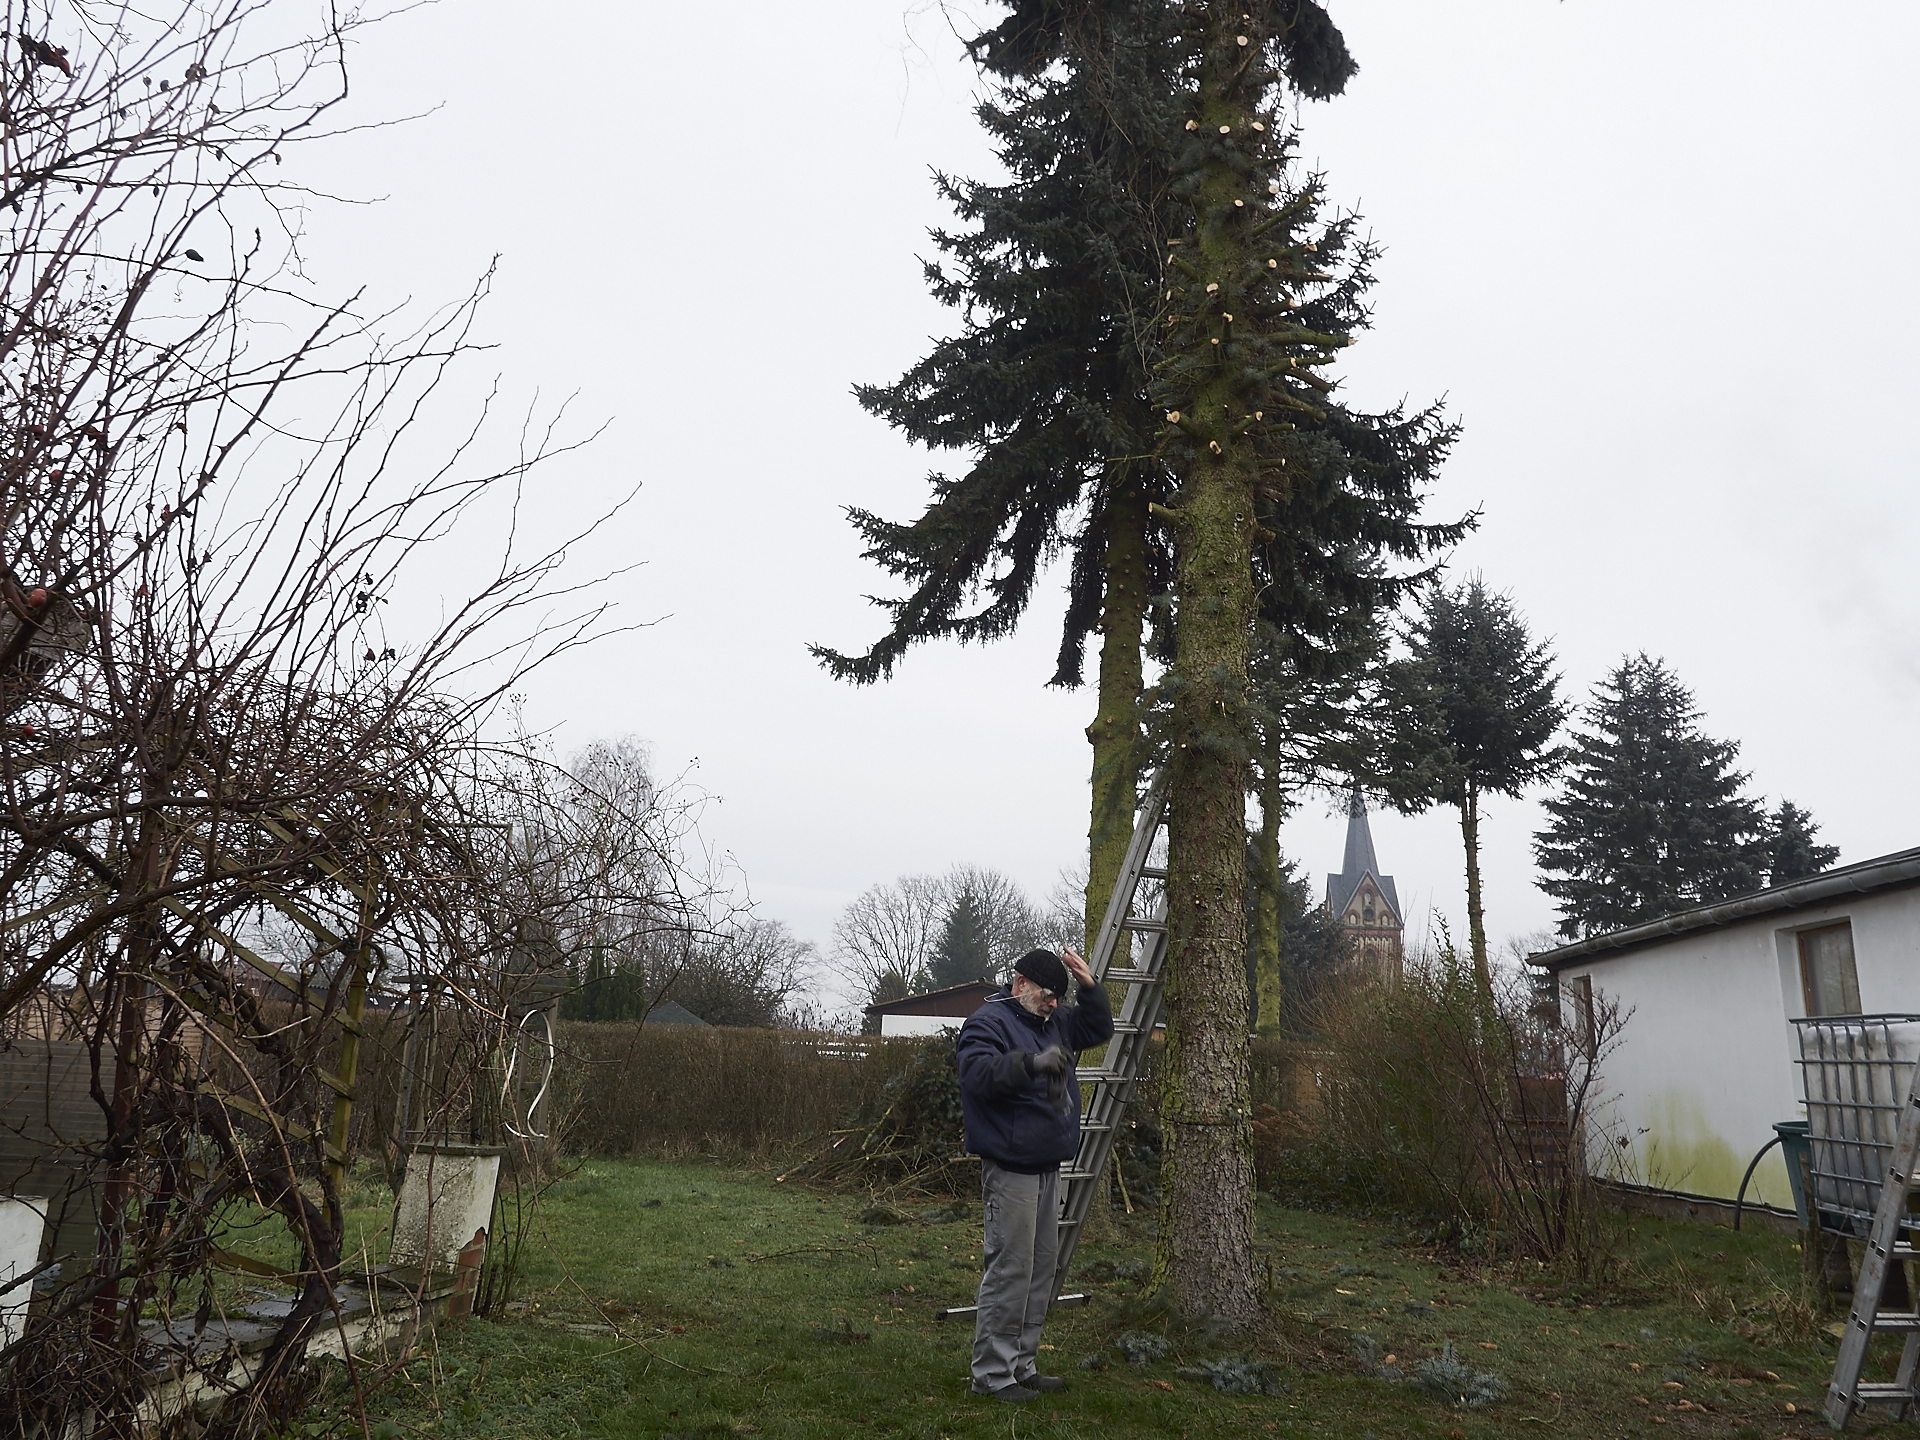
1854, 1073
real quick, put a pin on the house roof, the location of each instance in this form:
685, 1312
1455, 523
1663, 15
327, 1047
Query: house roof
1358, 863
1888, 872
957, 1000
672, 1012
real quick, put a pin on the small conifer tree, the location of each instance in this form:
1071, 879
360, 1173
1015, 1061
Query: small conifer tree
1471, 711
965, 950
1791, 846
1650, 817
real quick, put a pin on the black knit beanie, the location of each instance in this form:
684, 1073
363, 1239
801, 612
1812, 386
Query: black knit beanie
1043, 967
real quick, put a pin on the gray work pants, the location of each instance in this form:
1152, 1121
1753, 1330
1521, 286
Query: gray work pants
1016, 1279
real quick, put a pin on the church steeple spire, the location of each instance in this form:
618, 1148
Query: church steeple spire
1359, 859
1362, 901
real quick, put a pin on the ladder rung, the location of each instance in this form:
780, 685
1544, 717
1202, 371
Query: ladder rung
1095, 1075
1117, 975
1126, 1027
1896, 1320
1148, 872
1077, 1175
1145, 927
1867, 1394
1086, 1124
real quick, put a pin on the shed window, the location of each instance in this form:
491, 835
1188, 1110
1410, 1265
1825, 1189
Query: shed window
1585, 1024
1826, 970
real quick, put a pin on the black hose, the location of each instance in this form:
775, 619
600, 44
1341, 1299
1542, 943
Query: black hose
1741, 1198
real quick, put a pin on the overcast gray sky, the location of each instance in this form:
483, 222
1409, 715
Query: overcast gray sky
1657, 256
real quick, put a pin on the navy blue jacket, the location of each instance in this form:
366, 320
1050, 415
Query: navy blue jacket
1009, 1118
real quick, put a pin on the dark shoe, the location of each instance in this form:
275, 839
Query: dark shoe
1051, 1384
1013, 1394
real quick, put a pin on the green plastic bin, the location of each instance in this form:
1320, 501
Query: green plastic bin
1795, 1147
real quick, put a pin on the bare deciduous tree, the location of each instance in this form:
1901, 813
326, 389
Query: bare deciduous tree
885, 942
222, 695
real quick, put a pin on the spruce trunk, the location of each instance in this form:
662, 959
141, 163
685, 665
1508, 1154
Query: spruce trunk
1206, 1231
1206, 1222
1266, 913
1476, 917
1114, 733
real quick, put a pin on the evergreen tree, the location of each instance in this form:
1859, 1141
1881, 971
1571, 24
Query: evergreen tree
1650, 817
1229, 471
1063, 284
1285, 508
612, 987
1057, 278
1792, 853
965, 950
1471, 711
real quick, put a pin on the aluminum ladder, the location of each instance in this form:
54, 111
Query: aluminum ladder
1145, 976
1846, 1394
1112, 1080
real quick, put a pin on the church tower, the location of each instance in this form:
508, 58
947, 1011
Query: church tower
1363, 902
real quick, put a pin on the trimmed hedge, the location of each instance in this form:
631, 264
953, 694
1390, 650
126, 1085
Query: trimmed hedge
626, 1089
680, 1089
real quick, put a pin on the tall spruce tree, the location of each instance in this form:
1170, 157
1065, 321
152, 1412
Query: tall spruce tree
965, 949
1791, 850
1650, 817
1057, 277
1061, 282
1236, 474
1241, 386
1472, 710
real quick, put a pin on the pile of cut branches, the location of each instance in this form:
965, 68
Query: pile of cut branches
907, 1140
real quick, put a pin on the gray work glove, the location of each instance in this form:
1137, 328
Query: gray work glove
1056, 1063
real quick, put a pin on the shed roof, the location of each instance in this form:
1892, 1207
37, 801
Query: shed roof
672, 1012
1888, 872
958, 1000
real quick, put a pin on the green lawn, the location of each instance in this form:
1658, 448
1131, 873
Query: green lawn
691, 1299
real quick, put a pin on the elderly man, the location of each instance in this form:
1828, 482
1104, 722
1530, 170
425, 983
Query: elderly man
1022, 1103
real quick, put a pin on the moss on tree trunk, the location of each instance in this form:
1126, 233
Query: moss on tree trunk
1114, 732
1266, 912
1205, 1253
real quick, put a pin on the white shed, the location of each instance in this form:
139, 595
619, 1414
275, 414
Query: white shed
933, 1012
1706, 1061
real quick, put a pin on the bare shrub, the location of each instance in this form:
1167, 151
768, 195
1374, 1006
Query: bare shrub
1475, 1108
